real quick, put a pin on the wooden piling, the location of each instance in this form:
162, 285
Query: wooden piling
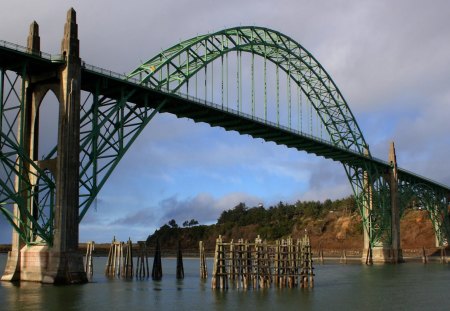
424, 255
343, 257
142, 270
219, 277
180, 268
259, 265
203, 267
369, 260
232, 255
89, 266
127, 271
115, 259
443, 255
310, 261
277, 263
157, 266
321, 256
239, 264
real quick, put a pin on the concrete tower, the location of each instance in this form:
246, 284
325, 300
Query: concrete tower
60, 262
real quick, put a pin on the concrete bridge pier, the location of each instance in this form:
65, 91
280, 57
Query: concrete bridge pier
396, 251
59, 262
386, 251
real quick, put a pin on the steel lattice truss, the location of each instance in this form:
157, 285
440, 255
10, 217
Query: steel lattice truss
23, 183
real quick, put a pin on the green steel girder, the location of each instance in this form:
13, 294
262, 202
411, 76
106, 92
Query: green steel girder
372, 195
24, 185
434, 200
111, 130
32, 181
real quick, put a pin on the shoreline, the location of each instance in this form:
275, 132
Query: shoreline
329, 255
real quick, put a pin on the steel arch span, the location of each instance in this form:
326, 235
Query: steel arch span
172, 68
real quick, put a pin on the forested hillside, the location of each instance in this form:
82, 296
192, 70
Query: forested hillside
330, 224
269, 223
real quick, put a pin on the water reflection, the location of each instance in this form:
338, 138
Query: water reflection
337, 287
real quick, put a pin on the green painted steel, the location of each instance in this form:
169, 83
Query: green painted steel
23, 184
172, 68
116, 109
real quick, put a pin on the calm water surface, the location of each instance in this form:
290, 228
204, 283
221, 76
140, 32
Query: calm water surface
410, 286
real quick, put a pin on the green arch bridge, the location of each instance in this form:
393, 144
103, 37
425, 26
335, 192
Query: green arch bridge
252, 80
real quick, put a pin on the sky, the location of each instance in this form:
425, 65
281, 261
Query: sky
390, 60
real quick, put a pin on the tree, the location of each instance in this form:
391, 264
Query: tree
193, 222
172, 223
186, 223
233, 215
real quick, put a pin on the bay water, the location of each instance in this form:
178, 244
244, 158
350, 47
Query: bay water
409, 286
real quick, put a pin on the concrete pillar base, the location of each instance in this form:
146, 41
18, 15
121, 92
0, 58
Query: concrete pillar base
42, 264
382, 255
12, 268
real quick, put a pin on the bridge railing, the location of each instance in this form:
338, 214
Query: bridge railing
110, 73
22, 49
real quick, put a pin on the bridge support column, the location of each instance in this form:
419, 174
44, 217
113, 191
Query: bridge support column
383, 251
367, 208
396, 251
59, 262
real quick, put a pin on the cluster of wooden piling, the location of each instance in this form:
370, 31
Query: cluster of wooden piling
142, 270
287, 263
442, 256
120, 259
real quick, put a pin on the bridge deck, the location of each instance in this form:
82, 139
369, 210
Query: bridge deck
114, 85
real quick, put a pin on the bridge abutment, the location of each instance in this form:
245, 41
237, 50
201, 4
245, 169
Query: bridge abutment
59, 261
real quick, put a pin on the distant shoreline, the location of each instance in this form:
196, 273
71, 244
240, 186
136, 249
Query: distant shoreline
333, 255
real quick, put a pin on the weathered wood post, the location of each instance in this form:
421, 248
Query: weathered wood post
344, 256
142, 269
114, 262
180, 268
219, 277
257, 263
240, 264
321, 256
128, 260
443, 255
310, 262
232, 257
89, 266
424, 255
203, 267
157, 266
